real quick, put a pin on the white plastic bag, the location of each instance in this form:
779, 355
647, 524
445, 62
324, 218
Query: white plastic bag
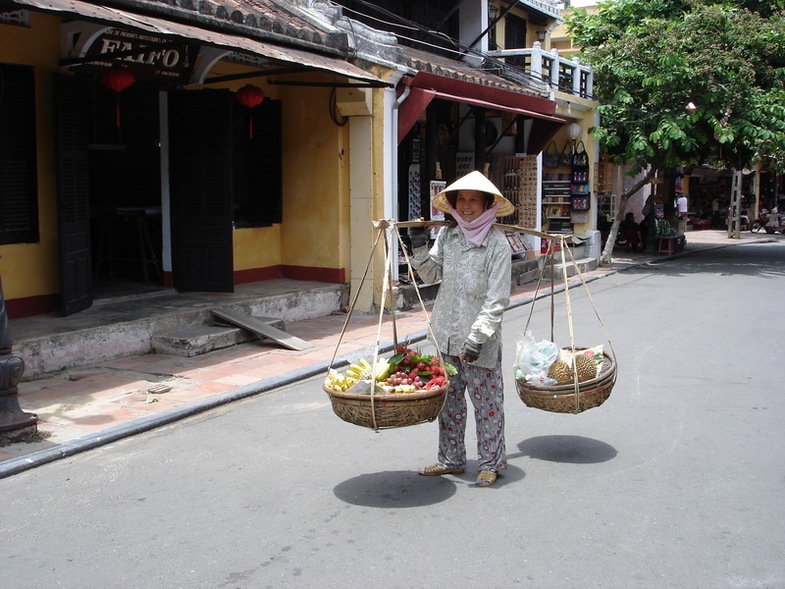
534, 359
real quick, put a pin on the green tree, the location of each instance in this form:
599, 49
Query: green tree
685, 82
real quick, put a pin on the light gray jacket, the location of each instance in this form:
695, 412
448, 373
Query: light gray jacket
474, 290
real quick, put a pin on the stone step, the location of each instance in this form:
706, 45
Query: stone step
201, 339
525, 270
125, 326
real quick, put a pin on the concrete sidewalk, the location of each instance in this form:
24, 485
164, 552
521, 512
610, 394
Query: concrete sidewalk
86, 407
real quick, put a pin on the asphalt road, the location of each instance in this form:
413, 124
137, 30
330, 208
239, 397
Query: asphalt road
678, 480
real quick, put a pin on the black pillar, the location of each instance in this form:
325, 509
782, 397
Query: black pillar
479, 138
12, 418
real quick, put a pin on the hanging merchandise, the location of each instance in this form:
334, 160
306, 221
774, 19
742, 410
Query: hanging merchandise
565, 157
550, 157
117, 79
579, 156
569, 379
250, 96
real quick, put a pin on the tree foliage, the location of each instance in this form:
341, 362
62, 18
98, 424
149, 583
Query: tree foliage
654, 59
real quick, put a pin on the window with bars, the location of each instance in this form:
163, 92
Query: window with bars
515, 38
18, 171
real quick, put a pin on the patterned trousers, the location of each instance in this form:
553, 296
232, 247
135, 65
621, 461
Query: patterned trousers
486, 391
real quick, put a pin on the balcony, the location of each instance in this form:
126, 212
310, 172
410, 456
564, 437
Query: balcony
546, 7
562, 75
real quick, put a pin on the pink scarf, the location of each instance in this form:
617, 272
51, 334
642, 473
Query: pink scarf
476, 231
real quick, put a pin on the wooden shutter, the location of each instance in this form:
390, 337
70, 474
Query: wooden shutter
72, 103
201, 190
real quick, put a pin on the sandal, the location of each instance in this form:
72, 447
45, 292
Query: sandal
439, 469
486, 478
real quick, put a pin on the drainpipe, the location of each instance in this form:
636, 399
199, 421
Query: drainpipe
404, 95
15, 424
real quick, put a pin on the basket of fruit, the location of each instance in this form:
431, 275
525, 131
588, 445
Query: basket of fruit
570, 379
406, 389
574, 382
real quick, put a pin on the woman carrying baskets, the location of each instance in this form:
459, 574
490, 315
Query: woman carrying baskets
472, 261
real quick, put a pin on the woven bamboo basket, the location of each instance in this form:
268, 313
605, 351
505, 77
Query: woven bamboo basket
563, 398
387, 411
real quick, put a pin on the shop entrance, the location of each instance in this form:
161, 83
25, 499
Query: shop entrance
119, 208
124, 163
108, 191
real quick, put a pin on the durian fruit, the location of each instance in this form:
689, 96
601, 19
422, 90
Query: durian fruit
560, 371
586, 367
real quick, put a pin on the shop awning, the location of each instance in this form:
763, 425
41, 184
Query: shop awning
424, 87
122, 18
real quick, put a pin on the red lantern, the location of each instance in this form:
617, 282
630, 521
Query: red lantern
117, 79
250, 96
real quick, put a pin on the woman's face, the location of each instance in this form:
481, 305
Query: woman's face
470, 204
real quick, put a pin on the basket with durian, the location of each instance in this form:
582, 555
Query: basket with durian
563, 380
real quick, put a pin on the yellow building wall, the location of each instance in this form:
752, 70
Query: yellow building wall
315, 200
37, 46
315, 180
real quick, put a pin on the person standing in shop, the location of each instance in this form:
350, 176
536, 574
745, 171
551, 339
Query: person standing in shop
472, 262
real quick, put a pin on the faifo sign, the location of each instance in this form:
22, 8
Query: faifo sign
147, 56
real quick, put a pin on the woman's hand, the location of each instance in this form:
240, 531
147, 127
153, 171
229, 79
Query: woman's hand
470, 351
418, 236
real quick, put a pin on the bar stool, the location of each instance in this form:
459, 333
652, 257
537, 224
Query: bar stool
146, 254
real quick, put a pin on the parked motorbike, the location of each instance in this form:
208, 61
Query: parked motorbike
762, 223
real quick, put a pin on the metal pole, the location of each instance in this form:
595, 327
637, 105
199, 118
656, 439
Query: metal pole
14, 422
734, 218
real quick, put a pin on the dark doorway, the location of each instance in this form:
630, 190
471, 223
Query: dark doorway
125, 191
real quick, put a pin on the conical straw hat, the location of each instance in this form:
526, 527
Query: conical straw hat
474, 181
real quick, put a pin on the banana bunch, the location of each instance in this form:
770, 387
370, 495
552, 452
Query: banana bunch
363, 370
336, 381
360, 371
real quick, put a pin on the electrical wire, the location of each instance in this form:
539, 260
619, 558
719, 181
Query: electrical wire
459, 50
379, 20
333, 106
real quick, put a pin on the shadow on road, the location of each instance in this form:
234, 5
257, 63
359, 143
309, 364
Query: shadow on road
570, 449
406, 488
396, 488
